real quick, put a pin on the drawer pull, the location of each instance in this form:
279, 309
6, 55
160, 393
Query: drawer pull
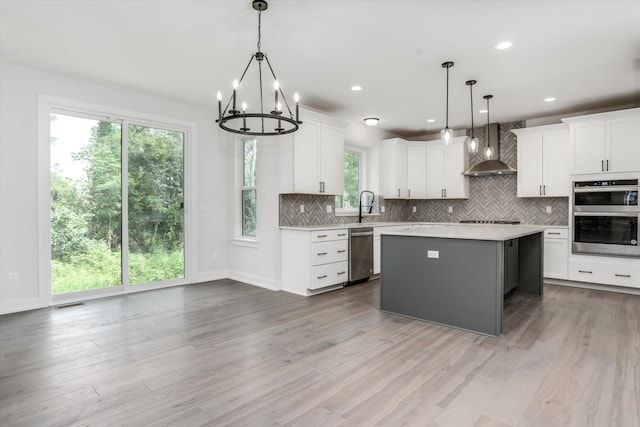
322, 277
622, 275
342, 234
553, 232
321, 236
342, 272
585, 271
322, 253
344, 250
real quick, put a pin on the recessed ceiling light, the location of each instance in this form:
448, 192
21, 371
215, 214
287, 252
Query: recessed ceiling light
356, 88
485, 111
504, 45
431, 120
549, 99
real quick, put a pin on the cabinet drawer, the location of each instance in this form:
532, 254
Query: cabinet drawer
556, 233
329, 274
328, 252
614, 273
327, 235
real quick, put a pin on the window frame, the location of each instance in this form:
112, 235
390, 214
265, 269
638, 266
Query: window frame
241, 188
362, 165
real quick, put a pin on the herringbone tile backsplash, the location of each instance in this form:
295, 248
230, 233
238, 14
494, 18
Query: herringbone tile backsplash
490, 198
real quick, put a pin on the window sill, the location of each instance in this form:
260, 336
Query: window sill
246, 242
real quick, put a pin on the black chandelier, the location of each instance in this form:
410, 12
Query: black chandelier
260, 123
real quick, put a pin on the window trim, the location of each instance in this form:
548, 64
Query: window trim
362, 166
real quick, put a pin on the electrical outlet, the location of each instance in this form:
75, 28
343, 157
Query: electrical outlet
450, 209
301, 208
415, 209
433, 254
382, 209
329, 210
13, 278
548, 209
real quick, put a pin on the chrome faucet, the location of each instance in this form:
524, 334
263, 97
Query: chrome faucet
373, 197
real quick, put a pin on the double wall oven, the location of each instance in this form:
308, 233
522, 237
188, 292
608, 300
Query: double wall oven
605, 218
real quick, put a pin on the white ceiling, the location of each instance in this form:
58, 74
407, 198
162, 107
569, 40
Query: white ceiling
584, 53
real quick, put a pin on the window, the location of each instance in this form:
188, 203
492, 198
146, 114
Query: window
352, 181
248, 187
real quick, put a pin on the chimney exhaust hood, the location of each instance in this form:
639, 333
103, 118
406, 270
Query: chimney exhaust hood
491, 167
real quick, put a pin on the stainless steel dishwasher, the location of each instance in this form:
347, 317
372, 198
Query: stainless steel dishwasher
360, 253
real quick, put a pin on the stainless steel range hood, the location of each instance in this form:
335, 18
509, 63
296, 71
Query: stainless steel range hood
491, 167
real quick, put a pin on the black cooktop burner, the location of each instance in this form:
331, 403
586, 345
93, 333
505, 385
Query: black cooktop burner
488, 221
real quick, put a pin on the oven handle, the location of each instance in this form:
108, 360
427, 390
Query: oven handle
605, 189
621, 214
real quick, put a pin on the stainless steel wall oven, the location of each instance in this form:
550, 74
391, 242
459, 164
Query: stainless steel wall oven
605, 217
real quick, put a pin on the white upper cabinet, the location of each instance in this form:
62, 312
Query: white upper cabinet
416, 170
394, 164
605, 142
319, 159
543, 161
445, 165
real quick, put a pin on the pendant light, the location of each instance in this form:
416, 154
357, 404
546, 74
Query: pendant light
447, 133
259, 123
472, 143
488, 150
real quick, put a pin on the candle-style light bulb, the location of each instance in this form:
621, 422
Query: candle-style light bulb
235, 87
276, 87
244, 119
296, 98
244, 107
278, 107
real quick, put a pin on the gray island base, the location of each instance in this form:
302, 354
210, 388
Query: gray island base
455, 275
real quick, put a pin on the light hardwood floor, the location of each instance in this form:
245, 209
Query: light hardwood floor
225, 353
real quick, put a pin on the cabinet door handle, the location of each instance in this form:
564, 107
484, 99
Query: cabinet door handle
342, 251
322, 253
540, 190
585, 271
445, 192
602, 165
409, 191
607, 164
623, 275
341, 273
544, 190
398, 192
322, 277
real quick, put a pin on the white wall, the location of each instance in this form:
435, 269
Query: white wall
20, 88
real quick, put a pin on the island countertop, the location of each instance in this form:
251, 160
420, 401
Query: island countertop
495, 232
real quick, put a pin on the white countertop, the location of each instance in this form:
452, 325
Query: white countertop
496, 232
349, 225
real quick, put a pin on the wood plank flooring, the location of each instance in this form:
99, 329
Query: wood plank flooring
226, 353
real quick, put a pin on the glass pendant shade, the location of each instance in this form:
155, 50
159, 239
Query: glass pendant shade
446, 134
488, 153
473, 144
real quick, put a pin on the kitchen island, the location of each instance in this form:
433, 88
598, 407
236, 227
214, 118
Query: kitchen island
455, 274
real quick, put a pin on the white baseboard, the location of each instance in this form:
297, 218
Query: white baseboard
208, 276
23, 304
273, 285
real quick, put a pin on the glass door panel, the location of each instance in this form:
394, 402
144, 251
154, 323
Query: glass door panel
156, 201
86, 220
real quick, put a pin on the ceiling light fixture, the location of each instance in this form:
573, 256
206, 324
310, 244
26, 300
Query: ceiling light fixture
488, 151
356, 88
447, 133
263, 123
549, 99
371, 121
504, 45
472, 143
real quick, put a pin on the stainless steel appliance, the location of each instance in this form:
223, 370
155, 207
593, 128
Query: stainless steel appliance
360, 253
605, 218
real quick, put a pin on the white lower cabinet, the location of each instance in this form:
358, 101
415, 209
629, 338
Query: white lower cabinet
314, 261
556, 253
605, 270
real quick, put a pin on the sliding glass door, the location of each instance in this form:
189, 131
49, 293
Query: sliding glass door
117, 197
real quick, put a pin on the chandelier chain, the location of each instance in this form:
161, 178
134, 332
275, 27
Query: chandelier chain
259, 28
